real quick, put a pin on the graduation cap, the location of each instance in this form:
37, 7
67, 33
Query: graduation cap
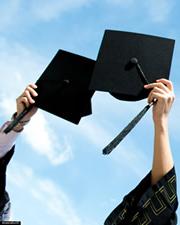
125, 63
63, 88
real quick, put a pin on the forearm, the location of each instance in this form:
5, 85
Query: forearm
7, 140
162, 159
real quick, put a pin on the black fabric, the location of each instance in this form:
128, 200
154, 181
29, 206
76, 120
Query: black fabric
115, 71
4, 197
63, 88
109, 148
127, 61
147, 204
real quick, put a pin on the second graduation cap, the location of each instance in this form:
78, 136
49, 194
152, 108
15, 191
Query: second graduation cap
63, 88
126, 61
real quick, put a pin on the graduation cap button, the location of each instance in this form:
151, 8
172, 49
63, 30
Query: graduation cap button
139, 68
66, 81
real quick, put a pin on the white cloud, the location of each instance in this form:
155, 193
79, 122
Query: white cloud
159, 10
131, 156
46, 142
46, 192
102, 128
17, 67
128, 155
7, 106
58, 202
8, 10
94, 132
41, 137
50, 9
14, 12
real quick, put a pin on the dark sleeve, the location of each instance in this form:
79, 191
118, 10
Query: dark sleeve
4, 198
147, 204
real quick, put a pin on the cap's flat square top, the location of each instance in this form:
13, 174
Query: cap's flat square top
113, 71
63, 88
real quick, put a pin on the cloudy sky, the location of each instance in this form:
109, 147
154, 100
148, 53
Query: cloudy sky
58, 174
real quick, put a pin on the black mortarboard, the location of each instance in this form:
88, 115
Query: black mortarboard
63, 88
126, 61
122, 58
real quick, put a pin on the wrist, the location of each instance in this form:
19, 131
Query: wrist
161, 124
20, 126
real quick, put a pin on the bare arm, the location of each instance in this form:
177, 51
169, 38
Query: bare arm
25, 100
162, 90
8, 140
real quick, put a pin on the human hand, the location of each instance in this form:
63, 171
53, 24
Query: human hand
163, 92
25, 100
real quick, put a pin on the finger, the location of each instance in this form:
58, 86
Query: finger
150, 98
32, 91
154, 91
25, 101
34, 86
28, 96
158, 84
159, 90
166, 82
156, 96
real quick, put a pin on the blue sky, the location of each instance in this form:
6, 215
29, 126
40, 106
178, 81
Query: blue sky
58, 175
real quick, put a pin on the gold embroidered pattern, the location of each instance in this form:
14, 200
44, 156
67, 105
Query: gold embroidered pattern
122, 214
145, 220
152, 208
135, 217
156, 203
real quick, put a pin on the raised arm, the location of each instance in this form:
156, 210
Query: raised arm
162, 90
25, 100
6, 147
